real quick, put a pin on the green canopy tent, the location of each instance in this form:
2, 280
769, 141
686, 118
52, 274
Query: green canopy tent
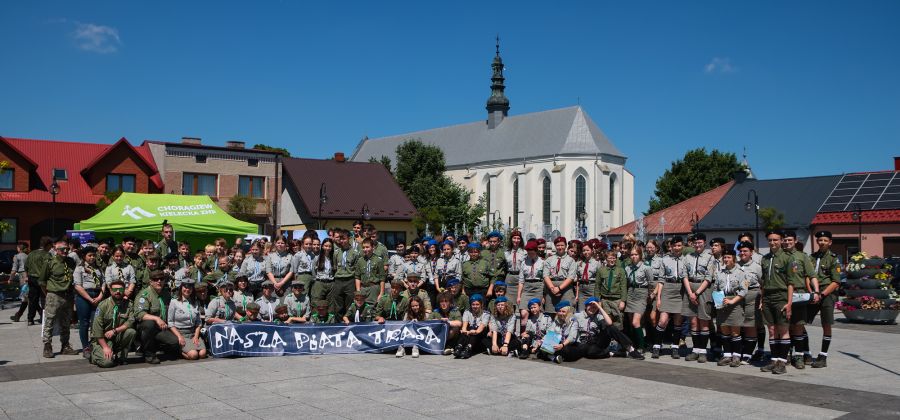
195, 218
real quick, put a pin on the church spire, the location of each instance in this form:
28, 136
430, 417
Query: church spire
497, 103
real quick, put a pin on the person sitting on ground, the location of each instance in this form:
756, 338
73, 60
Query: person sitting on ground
184, 322
321, 315
597, 331
242, 295
414, 312
222, 308
499, 289
474, 334
359, 310
460, 299
535, 326
564, 325
391, 307
450, 315
112, 332
252, 314
150, 314
267, 302
503, 340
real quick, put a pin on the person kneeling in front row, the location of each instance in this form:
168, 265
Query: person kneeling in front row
112, 332
184, 321
150, 312
597, 331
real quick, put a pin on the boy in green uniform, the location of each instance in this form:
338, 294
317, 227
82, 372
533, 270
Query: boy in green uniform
359, 310
370, 274
804, 282
222, 272
612, 288
150, 314
343, 260
460, 299
499, 288
112, 332
496, 259
476, 277
35, 265
56, 282
414, 288
321, 314
777, 295
828, 271
392, 307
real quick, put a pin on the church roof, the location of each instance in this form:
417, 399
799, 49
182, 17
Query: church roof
564, 131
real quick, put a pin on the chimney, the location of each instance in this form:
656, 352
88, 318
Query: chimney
339, 157
897, 163
234, 144
191, 140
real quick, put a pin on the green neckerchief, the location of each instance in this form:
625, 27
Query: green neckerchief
609, 279
162, 308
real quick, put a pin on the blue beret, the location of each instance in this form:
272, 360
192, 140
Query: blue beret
562, 304
475, 297
426, 239
534, 301
495, 234
475, 245
432, 242
500, 283
452, 282
501, 299
447, 242
591, 300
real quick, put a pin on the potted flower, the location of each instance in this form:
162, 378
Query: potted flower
869, 296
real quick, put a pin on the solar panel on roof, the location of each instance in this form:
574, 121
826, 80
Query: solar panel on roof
877, 191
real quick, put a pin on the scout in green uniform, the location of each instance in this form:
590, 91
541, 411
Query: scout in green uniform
495, 257
500, 288
413, 284
379, 249
476, 276
460, 299
359, 310
446, 312
129, 244
392, 307
343, 260
35, 265
828, 271
321, 315
223, 272
805, 282
612, 289
151, 264
56, 281
167, 245
369, 272
777, 294
112, 332
252, 314
150, 315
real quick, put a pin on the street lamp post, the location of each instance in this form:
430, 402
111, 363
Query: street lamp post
857, 215
54, 190
323, 198
755, 207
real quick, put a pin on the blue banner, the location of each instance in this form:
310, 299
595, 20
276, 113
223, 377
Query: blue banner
264, 339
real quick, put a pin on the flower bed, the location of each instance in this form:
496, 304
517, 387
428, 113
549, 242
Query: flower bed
869, 296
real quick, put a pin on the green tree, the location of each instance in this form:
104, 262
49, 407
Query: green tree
107, 199
439, 200
697, 172
284, 152
242, 207
772, 218
386, 161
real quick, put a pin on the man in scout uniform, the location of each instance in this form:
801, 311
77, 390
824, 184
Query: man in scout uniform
392, 307
252, 313
129, 244
150, 315
223, 272
321, 315
396, 261
496, 260
476, 276
297, 304
805, 281
379, 249
612, 288
142, 276
343, 260
777, 295
411, 264
828, 271
370, 274
460, 300
35, 266
56, 281
112, 331
167, 245
559, 276
359, 310
752, 316
697, 296
414, 288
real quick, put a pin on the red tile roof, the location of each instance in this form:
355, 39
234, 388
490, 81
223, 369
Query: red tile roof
74, 157
349, 185
678, 217
846, 217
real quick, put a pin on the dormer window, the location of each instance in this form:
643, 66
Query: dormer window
60, 174
200, 158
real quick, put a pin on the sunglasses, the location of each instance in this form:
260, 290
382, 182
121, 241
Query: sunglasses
117, 289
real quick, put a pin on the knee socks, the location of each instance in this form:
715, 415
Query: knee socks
749, 345
639, 334
658, 337
826, 341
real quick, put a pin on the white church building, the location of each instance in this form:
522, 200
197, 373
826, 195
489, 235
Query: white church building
540, 172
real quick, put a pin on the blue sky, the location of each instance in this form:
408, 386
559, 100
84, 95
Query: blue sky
808, 87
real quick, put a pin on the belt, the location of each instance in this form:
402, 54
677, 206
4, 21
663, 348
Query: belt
695, 280
533, 281
325, 280
753, 288
638, 286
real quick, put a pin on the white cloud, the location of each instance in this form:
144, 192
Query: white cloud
719, 65
96, 38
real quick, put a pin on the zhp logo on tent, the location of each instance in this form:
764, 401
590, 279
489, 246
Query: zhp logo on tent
136, 213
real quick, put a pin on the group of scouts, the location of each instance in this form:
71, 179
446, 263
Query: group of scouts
499, 297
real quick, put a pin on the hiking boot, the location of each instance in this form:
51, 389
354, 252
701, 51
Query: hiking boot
466, 353
48, 351
807, 359
557, 359
820, 362
692, 357
523, 354
769, 367
676, 353
701, 358
15, 318
151, 359
797, 362
68, 350
780, 368
400, 352
415, 352
636, 355
735, 361
30, 323
725, 361
654, 354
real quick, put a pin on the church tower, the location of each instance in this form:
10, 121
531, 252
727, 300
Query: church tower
497, 104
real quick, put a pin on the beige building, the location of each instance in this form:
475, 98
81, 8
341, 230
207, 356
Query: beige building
191, 168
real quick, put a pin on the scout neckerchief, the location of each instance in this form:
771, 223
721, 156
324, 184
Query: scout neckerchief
115, 315
393, 312
121, 274
271, 310
558, 263
609, 279
257, 269
727, 280
533, 263
299, 305
344, 259
190, 313
632, 281
356, 315
514, 252
162, 307
584, 275
368, 268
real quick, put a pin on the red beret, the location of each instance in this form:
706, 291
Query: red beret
531, 245
560, 239
541, 241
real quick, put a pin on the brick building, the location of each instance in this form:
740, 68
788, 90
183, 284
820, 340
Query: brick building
192, 168
84, 172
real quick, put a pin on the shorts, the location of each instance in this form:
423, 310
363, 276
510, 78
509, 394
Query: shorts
825, 307
798, 313
773, 301
612, 309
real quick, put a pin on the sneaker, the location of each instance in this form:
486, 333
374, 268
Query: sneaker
807, 359
820, 362
415, 352
557, 359
736, 361
768, 368
692, 357
725, 361
701, 358
654, 353
48, 351
400, 352
636, 355
797, 362
86, 353
448, 352
68, 350
779, 368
